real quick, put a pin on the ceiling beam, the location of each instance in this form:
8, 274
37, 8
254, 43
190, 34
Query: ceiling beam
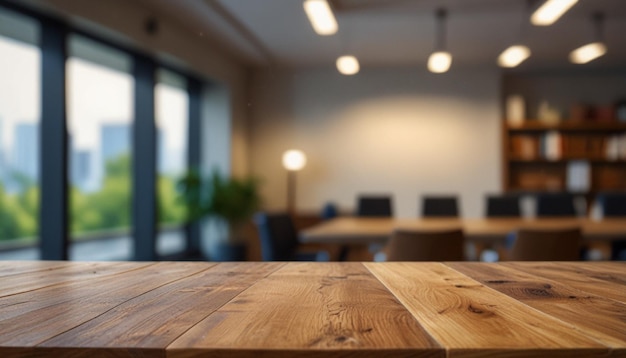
242, 30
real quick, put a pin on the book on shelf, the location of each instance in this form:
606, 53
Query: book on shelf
615, 147
525, 147
551, 145
578, 175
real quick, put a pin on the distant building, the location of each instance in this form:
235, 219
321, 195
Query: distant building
26, 150
114, 141
80, 165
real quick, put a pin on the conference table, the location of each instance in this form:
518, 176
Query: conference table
291, 309
359, 230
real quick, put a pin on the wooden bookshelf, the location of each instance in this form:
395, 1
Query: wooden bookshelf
576, 156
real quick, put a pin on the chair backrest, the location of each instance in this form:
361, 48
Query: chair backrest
546, 245
329, 211
374, 206
556, 205
503, 206
440, 206
411, 245
278, 235
613, 204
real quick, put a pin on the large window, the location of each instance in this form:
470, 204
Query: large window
20, 111
99, 115
172, 116
104, 92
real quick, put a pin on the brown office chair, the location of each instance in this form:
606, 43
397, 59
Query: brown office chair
546, 245
410, 245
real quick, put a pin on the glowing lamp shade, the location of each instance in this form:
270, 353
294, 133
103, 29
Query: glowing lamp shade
513, 56
587, 53
439, 62
348, 65
294, 160
321, 17
550, 11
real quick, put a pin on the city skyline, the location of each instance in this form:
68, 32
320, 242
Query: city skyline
98, 97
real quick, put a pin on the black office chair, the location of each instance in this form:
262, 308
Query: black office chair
556, 205
279, 239
329, 211
374, 206
614, 206
440, 206
503, 206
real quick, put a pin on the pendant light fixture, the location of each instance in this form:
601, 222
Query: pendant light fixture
440, 60
515, 54
594, 49
348, 65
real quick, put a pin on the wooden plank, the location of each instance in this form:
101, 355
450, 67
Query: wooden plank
308, 309
599, 317
33, 317
158, 317
8, 268
47, 276
470, 319
602, 279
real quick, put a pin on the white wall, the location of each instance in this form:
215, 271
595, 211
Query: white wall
404, 132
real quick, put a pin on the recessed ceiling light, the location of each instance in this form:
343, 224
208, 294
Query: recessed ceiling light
513, 56
587, 53
321, 17
550, 11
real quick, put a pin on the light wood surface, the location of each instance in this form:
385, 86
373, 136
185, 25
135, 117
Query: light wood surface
394, 309
352, 230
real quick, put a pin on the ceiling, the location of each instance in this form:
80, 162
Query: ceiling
395, 32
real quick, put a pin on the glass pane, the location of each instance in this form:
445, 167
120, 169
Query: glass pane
20, 111
172, 113
99, 112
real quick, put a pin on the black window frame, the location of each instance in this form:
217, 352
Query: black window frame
54, 206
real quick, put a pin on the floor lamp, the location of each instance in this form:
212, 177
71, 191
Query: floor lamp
293, 160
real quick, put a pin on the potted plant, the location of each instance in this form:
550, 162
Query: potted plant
228, 202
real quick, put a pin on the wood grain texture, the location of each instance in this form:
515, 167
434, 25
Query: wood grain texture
32, 317
186, 309
8, 268
167, 311
50, 275
603, 279
559, 300
470, 319
330, 308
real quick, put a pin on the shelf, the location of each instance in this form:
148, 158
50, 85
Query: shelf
598, 160
528, 171
568, 126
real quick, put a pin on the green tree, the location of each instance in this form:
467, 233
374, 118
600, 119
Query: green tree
108, 208
171, 208
18, 219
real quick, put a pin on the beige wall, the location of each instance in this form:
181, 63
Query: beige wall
400, 131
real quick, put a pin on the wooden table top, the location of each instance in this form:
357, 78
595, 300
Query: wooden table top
193, 309
354, 230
